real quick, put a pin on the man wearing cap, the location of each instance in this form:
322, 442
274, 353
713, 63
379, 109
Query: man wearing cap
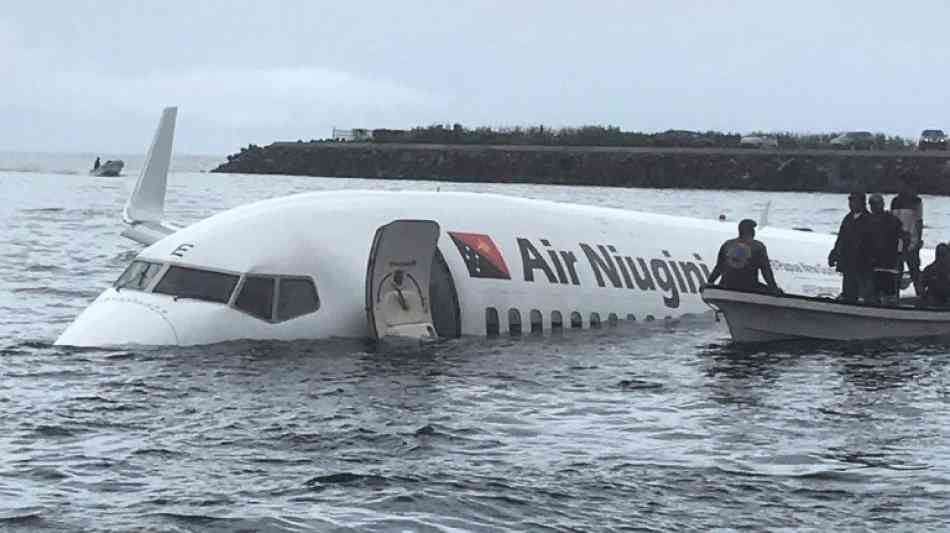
885, 239
851, 254
740, 261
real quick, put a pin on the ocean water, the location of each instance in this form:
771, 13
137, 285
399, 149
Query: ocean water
81, 163
647, 427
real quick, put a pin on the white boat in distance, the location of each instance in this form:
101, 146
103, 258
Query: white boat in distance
109, 169
758, 317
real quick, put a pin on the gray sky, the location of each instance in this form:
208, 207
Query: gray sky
80, 76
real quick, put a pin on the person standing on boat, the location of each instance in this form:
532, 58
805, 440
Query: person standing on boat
851, 254
935, 279
95, 166
909, 208
740, 261
886, 234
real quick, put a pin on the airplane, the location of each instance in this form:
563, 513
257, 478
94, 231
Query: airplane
410, 264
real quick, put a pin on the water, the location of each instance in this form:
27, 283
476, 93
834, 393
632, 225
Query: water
650, 427
81, 163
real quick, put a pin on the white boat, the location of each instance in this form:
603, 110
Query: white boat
109, 169
758, 317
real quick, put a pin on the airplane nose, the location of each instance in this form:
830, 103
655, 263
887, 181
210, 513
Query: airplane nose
114, 320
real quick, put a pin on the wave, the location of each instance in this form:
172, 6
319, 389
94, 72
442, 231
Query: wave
44, 268
192, 519
48, 430
22, 519
160, 452
320, 483
55, 292
208, 522
30, 347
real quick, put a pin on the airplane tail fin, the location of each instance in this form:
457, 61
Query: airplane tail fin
146, 205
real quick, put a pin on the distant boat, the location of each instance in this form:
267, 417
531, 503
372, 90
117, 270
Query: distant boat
109, 169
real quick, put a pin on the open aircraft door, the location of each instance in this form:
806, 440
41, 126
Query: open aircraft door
398, 302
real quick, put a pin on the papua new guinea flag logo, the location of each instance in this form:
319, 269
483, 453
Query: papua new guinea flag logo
481, 256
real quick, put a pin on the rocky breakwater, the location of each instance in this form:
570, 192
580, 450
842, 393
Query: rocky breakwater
691, 168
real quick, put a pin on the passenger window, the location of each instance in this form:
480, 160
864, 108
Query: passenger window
576, 320
183, 282
297, 297
595, 320
514, 322
536, 326
631, 318
137, 275
557, 322
612, 320
257, 297
491, 322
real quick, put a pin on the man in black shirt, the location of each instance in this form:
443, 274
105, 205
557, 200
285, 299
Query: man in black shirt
935, 279
885, 239
740, 261
851, 254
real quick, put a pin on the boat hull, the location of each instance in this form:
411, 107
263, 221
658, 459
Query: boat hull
754, 317
109, 169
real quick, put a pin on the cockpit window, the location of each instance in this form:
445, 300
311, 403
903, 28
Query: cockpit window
137, 275
185, 282
257, 297
298, 297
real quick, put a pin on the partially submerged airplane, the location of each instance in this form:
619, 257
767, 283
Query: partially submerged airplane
409, 264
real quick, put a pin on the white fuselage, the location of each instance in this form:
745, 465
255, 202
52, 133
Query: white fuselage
560, 258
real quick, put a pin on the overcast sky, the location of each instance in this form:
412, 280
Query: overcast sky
92, 76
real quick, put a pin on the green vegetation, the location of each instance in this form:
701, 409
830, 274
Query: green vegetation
608, 136
542, 136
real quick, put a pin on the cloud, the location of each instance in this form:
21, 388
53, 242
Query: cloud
233, 106
244, 72
233, 96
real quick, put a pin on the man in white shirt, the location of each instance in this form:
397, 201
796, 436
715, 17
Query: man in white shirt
909, 208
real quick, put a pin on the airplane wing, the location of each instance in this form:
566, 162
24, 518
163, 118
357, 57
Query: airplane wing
146, 205
148, 232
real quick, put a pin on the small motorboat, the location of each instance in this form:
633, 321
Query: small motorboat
109, 169
760, 317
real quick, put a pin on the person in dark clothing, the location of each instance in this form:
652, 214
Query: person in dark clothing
740, 261
95, 166
935, 279
851, 254
886, 234
909, 208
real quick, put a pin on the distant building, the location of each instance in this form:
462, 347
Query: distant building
352, 135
